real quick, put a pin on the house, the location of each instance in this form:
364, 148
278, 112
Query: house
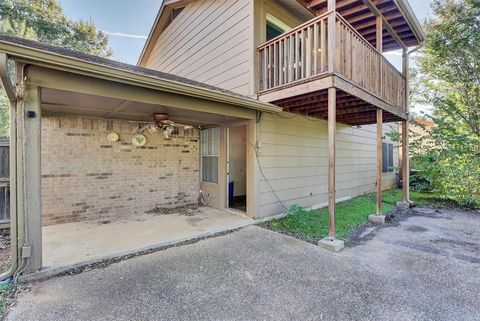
421, 131
250, 105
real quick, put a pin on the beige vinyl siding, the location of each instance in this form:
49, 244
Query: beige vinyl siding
293, 155
210, 41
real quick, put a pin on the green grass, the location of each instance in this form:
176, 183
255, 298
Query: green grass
5, 297
430, 199
312, 225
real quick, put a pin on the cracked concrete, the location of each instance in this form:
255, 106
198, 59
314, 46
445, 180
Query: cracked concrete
423, 267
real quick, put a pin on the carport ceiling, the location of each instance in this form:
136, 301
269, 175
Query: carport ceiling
65, 102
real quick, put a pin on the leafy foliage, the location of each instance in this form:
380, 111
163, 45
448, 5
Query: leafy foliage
5, 297
45, 21
4, 114
449, 79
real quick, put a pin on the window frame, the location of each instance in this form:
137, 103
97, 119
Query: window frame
275, 23
213, 152
387, 157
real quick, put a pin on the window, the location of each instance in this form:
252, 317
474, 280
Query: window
275, 27
209, 145
272, 31
387, 157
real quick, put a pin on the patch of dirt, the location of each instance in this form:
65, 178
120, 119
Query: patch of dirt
188, 210
4, 251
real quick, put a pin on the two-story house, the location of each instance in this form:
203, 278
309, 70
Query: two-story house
241, 105
318, 60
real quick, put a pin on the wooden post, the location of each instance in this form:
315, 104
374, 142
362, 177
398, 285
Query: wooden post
379, 160
379, 41
331, 35
379, 38
332, 95
405, 132
31, 170
331, 5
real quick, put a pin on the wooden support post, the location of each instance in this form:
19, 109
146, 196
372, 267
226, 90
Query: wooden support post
331, 5
331, 35
332, 127
379, 38
31, 170
379, 159
331, 243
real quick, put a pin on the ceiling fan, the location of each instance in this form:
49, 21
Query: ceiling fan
160, 122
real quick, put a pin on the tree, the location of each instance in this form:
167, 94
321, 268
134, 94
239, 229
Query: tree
45, 21
449, 73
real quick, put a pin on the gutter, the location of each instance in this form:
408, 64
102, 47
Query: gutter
416, 48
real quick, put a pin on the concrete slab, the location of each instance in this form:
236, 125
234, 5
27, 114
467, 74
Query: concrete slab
73, 244
333, 245
377, 219
404, 205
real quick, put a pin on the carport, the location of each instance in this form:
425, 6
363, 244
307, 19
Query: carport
105, 153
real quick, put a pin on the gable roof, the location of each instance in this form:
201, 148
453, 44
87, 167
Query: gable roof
19, 48
165, 10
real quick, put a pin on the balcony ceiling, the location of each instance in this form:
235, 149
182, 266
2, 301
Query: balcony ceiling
363, 20
350, 109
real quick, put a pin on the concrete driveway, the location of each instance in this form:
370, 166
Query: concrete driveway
427, 267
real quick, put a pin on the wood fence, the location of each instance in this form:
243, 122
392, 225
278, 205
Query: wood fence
4, 182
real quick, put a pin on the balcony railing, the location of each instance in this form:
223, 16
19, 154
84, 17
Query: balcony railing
295, 55
302, 54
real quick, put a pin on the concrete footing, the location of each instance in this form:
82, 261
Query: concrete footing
377, 219
330, 244
404, 205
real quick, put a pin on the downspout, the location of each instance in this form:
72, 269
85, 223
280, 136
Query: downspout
407, 76
14, 228
407, 104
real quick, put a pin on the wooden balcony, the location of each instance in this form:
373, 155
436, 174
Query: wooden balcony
296, 69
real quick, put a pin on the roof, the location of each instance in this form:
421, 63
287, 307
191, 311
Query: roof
157, 27
36, 51
427, 123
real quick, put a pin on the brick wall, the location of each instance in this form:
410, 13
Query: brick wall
85, 177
